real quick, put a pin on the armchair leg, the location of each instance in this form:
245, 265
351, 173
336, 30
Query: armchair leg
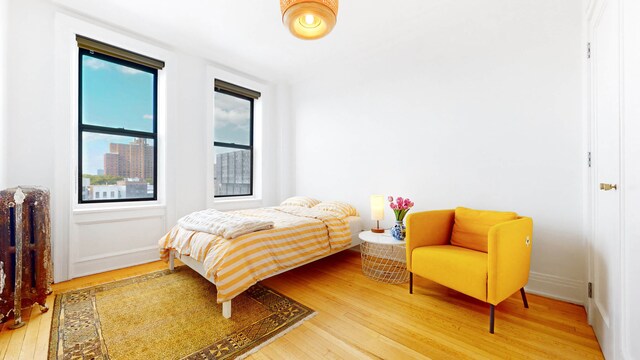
491, 318
410, 283
524, 298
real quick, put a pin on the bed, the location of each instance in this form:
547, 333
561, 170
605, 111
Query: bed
300, 235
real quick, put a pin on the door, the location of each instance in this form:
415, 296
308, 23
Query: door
630, 249
605, 109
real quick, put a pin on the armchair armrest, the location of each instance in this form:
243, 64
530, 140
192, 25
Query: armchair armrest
509, 258
428, 228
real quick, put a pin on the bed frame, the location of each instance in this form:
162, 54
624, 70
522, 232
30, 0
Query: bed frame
198, 267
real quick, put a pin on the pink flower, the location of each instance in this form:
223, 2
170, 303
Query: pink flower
394, 206
407, 202
411, 204
399, 200
390, 198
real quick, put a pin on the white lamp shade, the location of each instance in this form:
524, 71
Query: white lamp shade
377, 207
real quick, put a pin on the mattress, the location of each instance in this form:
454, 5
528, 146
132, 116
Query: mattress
299, 235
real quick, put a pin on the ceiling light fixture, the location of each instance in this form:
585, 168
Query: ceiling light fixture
309, 19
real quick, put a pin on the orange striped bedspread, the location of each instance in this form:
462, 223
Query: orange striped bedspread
299, 235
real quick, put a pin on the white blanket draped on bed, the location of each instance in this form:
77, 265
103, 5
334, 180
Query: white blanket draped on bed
227, 225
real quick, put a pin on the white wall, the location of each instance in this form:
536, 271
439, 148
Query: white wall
41, 113
480, 107
30, 102
4, 19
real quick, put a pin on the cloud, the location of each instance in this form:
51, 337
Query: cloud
128, 70
95, 64
88, 137
232, 118
98, 64
232, 112
147, 117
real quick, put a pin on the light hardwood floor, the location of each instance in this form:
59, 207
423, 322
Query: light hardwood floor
359, 318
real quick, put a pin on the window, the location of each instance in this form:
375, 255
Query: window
233, 140
117, 113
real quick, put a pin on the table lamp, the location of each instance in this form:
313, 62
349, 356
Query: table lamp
377, 211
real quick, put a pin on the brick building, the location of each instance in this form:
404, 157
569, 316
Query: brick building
133, 160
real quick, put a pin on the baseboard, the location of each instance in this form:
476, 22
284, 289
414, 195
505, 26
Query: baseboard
557, 287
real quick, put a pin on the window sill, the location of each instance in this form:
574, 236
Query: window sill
238, 198
86, 209
236, 203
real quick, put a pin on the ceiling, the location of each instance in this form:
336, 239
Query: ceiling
248, 35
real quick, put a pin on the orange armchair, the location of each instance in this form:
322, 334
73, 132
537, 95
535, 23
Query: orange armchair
483, 254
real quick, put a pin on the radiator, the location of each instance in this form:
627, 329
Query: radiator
25, 251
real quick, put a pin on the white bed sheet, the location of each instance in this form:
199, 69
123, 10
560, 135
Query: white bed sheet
355, 225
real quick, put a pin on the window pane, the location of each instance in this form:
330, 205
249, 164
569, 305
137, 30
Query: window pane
232, 173
116, 96
116, 167
232, 119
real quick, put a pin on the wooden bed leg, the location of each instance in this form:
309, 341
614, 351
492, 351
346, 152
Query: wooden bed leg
226, 309
171, 263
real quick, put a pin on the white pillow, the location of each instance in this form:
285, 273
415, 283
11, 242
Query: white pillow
337, 207
303, 201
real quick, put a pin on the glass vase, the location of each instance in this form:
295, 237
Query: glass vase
399, 231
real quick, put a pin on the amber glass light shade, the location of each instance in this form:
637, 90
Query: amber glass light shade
309, 19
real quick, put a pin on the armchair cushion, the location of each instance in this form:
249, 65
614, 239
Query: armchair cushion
455, 267
471, 227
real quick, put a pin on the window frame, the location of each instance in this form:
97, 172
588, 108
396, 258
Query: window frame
249, 147
82, 128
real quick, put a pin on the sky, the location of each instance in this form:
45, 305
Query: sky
117, 96
232, 119
113, 95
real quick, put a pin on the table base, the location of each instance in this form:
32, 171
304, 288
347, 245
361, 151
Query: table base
384, 263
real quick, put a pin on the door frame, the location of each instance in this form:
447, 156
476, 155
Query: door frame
595, 9
629, 169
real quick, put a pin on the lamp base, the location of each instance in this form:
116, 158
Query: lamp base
377, 231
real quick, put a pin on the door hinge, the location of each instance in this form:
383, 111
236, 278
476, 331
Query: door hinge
589, 158
588, 50
590, 290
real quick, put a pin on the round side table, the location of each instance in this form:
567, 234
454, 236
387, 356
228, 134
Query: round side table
383, 258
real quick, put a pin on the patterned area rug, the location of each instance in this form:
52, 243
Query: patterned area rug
167, 315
